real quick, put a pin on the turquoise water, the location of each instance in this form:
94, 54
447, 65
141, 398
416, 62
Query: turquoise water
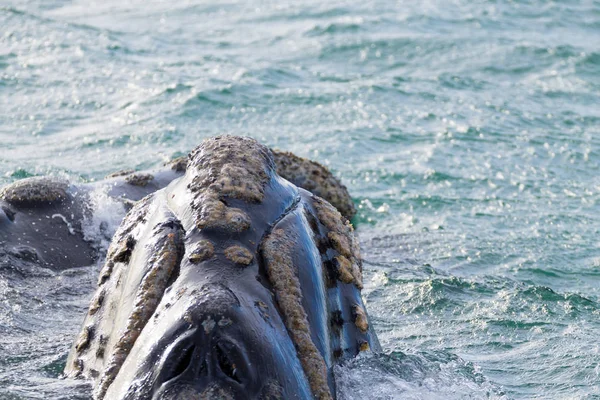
468, 133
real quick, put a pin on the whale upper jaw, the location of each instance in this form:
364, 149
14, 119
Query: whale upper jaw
211, 341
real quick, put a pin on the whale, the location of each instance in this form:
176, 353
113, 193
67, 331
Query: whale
230, 282
42, 219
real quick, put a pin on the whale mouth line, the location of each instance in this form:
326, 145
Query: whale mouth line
277, 260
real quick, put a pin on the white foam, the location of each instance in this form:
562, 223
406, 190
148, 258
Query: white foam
106, 216
64, 219
415, 376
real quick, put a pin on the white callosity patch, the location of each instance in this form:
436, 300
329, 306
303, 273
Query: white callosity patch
35, 190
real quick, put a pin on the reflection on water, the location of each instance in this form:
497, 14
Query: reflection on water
467, 131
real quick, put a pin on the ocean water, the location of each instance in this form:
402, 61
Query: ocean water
468, 133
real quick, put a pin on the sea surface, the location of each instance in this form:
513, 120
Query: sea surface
467, 132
